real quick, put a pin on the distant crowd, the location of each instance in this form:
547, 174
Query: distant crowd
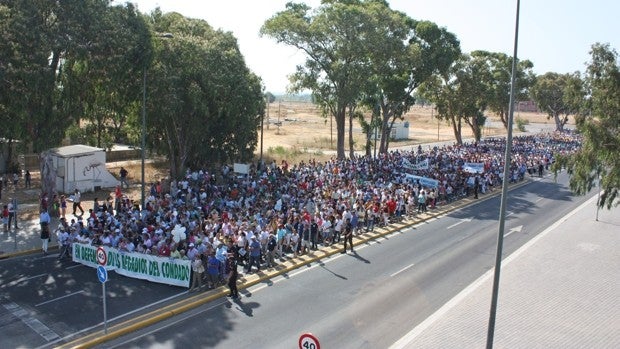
279, 210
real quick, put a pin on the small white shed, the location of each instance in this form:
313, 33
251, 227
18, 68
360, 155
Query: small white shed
400, 130
82, 167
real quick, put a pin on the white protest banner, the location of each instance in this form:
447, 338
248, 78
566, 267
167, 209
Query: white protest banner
473, 167
422, 165
424, 181
137, 265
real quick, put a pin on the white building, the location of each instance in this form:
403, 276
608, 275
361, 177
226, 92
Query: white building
82, 167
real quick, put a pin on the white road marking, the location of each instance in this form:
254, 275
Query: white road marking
75, 266
30, 321
55, 299
407, 339
75, 334
514, 230
537, 200
403, 269
181, 318
461, 221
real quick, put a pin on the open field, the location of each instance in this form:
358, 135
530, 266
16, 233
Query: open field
304, 133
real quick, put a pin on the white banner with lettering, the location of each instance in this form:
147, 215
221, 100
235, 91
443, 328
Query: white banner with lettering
473, 167
163, 270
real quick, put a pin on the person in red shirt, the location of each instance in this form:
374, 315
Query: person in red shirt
5, 218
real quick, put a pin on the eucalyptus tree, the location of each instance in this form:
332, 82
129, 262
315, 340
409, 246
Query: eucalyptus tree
598, 159
336, 67
459, 95
42, 35
552, 94
404, 54
105, 87
204, 105
498, 80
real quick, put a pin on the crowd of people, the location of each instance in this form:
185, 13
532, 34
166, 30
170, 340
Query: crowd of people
275, 212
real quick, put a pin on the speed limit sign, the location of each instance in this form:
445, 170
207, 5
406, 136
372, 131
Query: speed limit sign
102, 257
308, 341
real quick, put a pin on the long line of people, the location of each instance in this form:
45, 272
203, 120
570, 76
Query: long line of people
275, 212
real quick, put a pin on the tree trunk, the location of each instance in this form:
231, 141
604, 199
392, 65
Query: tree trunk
559, 126
456, 128
351, 140
340, 122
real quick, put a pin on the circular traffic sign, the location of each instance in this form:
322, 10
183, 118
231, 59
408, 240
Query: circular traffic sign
102, 257
308, 341
102, 274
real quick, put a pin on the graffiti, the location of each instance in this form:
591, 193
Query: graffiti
92, 167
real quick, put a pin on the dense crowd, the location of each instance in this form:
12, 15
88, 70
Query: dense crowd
278, 210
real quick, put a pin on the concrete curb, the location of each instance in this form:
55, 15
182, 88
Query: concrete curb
199, 299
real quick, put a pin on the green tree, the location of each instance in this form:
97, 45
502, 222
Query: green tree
498, 78
336, 64
460, 95
105, 87
598, 159
38, 36
551, 92
415, 51
203, 104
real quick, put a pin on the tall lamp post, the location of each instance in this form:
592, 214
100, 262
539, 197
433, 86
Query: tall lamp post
143, 131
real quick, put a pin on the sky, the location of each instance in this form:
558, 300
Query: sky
555, 35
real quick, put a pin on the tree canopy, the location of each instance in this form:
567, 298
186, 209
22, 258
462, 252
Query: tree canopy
598, 159
552, 93
361, 52
75, 69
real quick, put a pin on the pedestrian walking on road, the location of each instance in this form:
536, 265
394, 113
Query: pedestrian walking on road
12, 206
232, 275
77, 202
44, 221
28, 179
5, 218
348, 235
123, 174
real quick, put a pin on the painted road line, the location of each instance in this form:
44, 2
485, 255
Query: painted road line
59, 298
406, 340
30, 321
403, 269
139, 310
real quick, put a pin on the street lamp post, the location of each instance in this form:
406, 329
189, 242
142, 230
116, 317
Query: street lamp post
143, 130
143, 136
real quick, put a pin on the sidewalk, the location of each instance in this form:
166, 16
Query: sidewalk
560, 290
24, 240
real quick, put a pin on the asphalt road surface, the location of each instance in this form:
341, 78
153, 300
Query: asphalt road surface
368, 299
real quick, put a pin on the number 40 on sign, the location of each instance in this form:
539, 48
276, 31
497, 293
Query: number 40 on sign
308, 341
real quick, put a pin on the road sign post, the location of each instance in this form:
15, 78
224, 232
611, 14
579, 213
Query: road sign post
102, 275
309, 341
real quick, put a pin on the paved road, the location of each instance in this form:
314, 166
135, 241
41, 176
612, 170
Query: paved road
372, 298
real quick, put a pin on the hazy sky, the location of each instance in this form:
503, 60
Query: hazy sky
555, 35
